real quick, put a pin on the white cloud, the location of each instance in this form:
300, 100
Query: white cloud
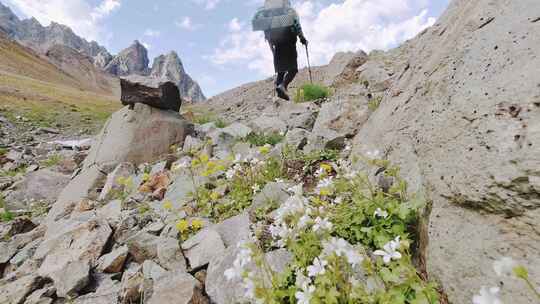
147, 45
208, 4
187, 24
83, 18
235, 25
152, 33
350, 25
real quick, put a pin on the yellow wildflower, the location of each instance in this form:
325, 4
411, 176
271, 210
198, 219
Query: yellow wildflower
326, 167
197, 224
146, 177
214, 196
264, 150
182, 226
204, 158
167, 205
324, 192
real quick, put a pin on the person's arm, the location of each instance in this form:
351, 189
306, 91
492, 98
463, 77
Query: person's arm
298, 30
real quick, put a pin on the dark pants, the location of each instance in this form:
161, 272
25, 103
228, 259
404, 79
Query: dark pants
286, 78
285, 62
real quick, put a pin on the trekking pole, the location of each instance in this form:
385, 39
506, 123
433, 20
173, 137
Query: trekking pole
309, 65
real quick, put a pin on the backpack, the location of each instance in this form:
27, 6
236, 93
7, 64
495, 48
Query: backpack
276, 19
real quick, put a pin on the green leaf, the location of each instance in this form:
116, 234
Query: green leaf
521, 272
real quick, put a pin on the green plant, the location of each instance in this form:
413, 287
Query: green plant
52, 161
311, 92
220, 123
374, 103
6, 216
262, 139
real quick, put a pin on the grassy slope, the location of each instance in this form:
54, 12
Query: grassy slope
32, 87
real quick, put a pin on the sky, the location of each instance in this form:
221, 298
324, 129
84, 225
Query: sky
214, 38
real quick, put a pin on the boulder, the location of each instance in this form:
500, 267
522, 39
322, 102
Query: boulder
141, 135
202, 247
343, 66
107, 292
182, 188
268, 124
15, 292
143, 246
297, 138
192, 144
177, 287
71, 279
151, 270
299, 115
39, 186
164, 96
170, 254
74, 240
338, 119
113, 262
83, 186
463, 124
234, 229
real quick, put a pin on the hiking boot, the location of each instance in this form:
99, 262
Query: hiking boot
282, 92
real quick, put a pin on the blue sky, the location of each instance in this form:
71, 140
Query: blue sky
214, 39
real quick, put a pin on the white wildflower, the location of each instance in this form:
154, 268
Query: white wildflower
302, 281
335, 245
348, 148
279, 180
354, 257
320, 172
488, 296
256, 188
304, 296
504, 267
317, 268
374, 154
304, 221
380, 213
325, 183
322, 224
338, 200
389, 251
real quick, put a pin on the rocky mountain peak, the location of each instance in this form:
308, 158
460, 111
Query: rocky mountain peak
132, 60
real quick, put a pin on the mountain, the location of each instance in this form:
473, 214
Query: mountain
132, 61
60, 89
31, 33
170, 67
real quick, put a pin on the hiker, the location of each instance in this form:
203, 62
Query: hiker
281, 26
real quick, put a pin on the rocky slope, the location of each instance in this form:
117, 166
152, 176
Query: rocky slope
133, 60
405, 186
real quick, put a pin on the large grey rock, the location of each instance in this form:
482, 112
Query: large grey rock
143, 246
343, 66
113, 262
107, 292
297, 138
268, 124
71, 279
141, 135
39, 186
462, 120
15, 292
202, 247
170, 254
299, 115
151, 270
182, 188
177, 287
83, 186
75, 240
339, 119
234, 229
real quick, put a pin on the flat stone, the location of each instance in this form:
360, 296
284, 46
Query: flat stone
170, 254
143, 246
177, 287
202, 247
234, 229
114, 261
71, 279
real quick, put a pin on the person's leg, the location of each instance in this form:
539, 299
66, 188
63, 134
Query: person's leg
289, 78
280, 78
